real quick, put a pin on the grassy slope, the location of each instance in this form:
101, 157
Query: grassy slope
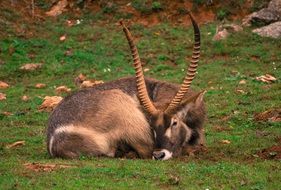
97, 47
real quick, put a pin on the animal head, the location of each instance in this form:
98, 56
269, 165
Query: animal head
169, 126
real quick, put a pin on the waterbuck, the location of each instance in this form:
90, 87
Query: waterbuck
155, 119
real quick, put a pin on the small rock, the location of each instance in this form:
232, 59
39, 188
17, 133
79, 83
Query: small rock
264, 16
273, 30
220, 35
224, 30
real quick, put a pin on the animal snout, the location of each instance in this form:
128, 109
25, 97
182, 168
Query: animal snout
158, 155
163, 154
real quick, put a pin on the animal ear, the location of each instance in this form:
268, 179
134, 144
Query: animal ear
194, 101
200, 98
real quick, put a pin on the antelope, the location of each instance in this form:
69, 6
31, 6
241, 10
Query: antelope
152, 118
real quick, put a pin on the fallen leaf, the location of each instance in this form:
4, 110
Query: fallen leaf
49, 103
174, 180
145, 69
31, 66
81, 77
69, 23
68, 52
15, 144
24, 98
6, 113
3, 85
58, 8
78, 80
272, 115
225, 141
267, 78
2, 96
62, 89
242, 82
240, 91
88, 83
63, 37
37, 167
40, 85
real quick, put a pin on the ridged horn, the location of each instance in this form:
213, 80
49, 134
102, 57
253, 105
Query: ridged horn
141, 86
191, 71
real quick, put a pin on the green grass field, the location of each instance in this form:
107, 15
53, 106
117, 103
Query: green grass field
100, 51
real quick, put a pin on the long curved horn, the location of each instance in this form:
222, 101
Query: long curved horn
141, 86
191, 71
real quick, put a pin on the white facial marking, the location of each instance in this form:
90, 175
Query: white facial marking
168, 133
155, 135
168, 154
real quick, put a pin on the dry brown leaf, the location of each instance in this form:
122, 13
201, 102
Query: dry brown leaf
63, 37
24, 98
145, 69
3, 85
49, 103
88, 83
31, 66
37, 167
2, 96
15, 144
272, 115
70, 23
267, 78
6, 113
242, 82
40, 85
225, 141
58, 8
78, 80
62, 89
240, 91
68, 52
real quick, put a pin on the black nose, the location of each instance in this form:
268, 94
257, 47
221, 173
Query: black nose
158, 155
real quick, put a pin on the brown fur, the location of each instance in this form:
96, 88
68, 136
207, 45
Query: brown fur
104, 119
114, 115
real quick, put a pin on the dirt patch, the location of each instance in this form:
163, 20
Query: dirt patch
271, 153
272, 115
37, 167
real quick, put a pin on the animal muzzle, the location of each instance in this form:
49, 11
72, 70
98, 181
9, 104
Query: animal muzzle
163, 154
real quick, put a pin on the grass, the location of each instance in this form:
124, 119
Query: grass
100, 51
